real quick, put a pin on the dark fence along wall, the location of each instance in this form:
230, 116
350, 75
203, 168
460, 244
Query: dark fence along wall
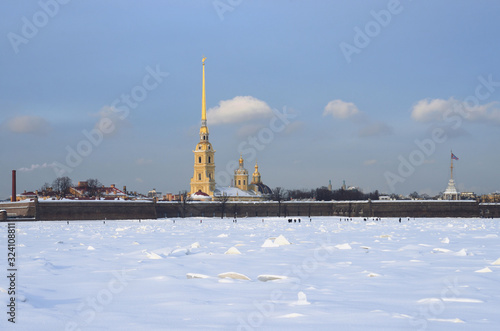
342, 208
97, 210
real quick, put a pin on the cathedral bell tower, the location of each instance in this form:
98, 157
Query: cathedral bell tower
241, 176
204, 166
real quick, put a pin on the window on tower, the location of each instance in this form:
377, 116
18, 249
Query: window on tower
209, 159
243, 182
199, 176
199, 159
239, 182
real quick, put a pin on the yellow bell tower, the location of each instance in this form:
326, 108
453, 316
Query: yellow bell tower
256, 175
204, 166
241, 177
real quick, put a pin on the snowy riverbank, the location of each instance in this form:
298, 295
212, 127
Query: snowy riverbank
182, 274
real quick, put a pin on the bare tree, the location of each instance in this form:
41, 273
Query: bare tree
45, 188
62, 185
93, 187
415, 195
279, 195
300, 194
184, 198
323, 194
223, 199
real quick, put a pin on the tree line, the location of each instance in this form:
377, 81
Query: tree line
62, 185
322, 194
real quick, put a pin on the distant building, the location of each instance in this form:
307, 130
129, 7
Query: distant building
26, 196
107, 192
451, 192
241, 190
467, 196
203, 179
491, 198
154, 194
203, 186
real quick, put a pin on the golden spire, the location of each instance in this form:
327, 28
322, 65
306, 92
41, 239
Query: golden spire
203, 100
241, 160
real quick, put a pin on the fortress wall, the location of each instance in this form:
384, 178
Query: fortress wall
425, 208
19, 209
98, 210
95, 210
489, 210
334, 208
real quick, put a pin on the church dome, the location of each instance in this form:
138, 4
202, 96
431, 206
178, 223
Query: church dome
241, 170
264, 189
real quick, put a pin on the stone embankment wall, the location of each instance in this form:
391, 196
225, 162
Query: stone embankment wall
344, 208
19, 209
99, 210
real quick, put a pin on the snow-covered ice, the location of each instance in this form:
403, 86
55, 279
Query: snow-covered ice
433, 274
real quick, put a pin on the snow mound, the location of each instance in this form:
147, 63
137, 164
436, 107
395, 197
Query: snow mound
446, 240
135, 243
90, 248
450, 320
292, 315
497, 262
265, 278
152, 255
441, 250
179, 252
269, 243
223, 235
365, 247
372, 274
281, 240
233, 250
484, 270
429, 300
191, 275
343, 246
195, 245
462, 252
462, 300
233, 275
301, 299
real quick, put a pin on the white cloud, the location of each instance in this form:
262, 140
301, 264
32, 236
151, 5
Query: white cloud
340, 109
438, 110
239, 109
28, 124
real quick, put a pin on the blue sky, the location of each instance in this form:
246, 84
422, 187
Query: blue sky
377, 93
